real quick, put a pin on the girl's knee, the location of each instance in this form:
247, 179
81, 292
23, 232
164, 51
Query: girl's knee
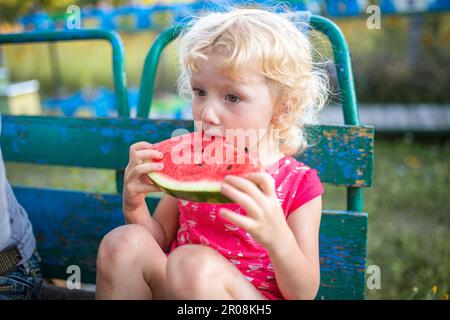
189, 268
190, 256
122, 244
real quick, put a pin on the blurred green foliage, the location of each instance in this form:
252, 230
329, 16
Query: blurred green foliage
384, 69
390, 66
10, 10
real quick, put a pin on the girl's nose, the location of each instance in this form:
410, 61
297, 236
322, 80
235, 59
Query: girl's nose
210, 115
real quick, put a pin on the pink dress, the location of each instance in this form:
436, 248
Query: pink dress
200, 223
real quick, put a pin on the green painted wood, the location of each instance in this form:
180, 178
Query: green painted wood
342, 154
343, 65
150, 69
69, 226
355, 198
343, 243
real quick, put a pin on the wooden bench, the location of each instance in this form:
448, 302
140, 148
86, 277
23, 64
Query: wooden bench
69, 225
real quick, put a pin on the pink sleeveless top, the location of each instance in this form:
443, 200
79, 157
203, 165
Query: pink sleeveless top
200, 223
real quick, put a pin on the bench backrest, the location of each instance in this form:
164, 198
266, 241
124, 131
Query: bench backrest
69, 225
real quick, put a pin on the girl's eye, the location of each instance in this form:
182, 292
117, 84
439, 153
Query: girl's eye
199, 92
232, 98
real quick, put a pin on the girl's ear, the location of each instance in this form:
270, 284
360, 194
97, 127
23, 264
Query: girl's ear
290, 102
286, 106
284, 103
294, 101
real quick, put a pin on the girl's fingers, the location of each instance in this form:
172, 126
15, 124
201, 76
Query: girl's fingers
145, 168
147, 154
145, 179
264, 181
247, 202
142, 188
142, 155
134, 148
247, 187
241, 221
139, 146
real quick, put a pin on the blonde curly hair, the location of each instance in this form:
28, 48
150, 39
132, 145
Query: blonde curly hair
284, 57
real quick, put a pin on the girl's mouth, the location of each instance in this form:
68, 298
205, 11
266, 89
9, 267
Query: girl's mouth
212, 133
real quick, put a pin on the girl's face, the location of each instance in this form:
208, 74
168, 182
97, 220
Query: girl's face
221, 104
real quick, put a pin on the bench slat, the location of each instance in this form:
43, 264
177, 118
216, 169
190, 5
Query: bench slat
72, 236
342, 154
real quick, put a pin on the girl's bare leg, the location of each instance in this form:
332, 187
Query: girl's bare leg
199, 272
130, 265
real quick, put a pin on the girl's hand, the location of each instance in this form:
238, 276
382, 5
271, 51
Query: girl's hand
137, 184
255, 192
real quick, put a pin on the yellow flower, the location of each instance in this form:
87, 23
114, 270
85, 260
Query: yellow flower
434, 290
445, 296
413, 162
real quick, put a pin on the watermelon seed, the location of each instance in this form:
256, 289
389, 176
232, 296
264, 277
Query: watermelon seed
229, 167
246, 150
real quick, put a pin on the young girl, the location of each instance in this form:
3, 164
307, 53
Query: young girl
247, 69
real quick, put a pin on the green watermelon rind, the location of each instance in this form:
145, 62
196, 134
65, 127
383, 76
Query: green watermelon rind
198, 191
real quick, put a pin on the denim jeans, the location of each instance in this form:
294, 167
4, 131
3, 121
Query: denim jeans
23, 282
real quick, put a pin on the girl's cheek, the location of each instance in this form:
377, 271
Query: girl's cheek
196, 110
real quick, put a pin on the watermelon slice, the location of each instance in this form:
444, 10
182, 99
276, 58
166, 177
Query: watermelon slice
195, 166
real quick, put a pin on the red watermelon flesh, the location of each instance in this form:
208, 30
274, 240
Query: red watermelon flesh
195, 166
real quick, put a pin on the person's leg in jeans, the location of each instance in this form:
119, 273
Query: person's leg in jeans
23, 282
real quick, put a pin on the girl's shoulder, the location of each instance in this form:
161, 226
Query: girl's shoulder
288, 168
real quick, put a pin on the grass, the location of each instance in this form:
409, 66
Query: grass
408, 207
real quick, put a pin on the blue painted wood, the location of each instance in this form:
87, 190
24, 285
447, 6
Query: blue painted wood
343, 155
343, 243
70, 225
